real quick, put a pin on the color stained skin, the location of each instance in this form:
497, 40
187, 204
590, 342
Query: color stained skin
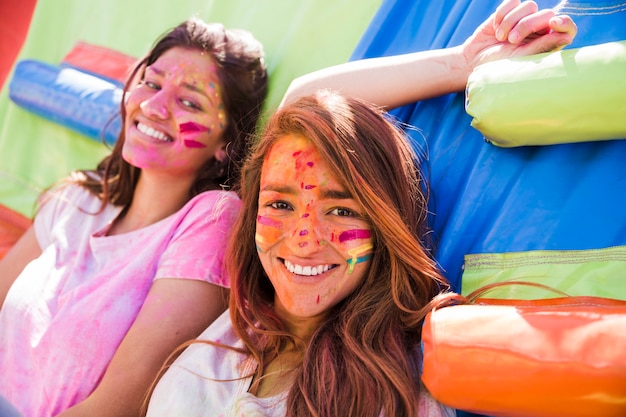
311, 237
190, 130
175, 117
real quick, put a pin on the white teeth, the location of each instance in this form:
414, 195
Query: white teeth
147, 130
306, 270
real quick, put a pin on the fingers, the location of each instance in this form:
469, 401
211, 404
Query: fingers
502, 10
553, 41
564, 24
562, 32
521, 21
518, 22
537, 23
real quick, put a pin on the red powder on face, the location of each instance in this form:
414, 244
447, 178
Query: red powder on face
192, 127
355, 234
190, 130
193, 144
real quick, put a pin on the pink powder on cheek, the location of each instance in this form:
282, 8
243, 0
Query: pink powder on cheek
193, 144
266, 221
191, 130
354, 234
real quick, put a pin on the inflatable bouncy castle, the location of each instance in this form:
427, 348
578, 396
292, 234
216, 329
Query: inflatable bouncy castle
527, 172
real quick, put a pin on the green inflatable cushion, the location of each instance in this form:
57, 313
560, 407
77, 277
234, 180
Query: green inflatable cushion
574, 95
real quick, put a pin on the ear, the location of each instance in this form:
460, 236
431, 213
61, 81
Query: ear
221, 154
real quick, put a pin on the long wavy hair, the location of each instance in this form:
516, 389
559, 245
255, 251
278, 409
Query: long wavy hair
243, 77
364, 358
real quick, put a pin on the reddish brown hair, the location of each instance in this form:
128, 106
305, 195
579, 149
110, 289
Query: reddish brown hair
364, 359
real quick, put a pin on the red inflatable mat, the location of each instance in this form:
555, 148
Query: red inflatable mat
100, 61
12, 227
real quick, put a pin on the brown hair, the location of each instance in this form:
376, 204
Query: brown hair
243, 77
364, 358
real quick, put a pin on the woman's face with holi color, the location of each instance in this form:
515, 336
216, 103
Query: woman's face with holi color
311, 236
175, 117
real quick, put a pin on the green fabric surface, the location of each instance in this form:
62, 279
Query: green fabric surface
597, 272
298, 36
574, 95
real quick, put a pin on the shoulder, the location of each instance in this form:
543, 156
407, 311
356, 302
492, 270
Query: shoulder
221, 357
428, 406
70, 195
217, 200
204, 377
213, 206
67, 200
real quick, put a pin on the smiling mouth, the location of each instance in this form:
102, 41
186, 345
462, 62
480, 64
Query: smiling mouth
153, 133
307, 270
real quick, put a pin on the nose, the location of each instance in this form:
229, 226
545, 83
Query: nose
157, 106
306, 235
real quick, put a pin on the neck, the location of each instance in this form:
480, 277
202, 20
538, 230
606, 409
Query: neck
153, 200
301, 327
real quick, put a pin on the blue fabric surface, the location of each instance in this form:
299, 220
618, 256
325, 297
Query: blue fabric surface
487, 199
72, 98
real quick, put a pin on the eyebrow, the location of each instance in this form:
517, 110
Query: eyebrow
325, 194
188, 86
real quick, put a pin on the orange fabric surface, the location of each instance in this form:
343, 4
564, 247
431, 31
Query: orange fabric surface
561, 357
12, 226
15, 18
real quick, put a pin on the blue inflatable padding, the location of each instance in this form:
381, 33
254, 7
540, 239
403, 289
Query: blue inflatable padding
72, 98
487, 199
93, 74
492, 200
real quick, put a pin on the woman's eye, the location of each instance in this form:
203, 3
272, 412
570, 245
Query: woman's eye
343, 212
190, 104
151, 85
280, 205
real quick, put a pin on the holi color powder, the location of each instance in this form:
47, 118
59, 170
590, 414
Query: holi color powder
355, 258
191, 130
266, 221
269, 231
355, 234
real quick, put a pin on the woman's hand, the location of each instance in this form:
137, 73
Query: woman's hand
516, 29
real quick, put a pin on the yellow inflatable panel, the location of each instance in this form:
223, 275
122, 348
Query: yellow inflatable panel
574, 95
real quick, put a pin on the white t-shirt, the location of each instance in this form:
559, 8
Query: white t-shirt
68, 311
212, 381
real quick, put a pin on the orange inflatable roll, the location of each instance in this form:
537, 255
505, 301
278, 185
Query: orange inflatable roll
12, 226
541, 358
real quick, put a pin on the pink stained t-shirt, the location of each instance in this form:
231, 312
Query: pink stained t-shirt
69, 310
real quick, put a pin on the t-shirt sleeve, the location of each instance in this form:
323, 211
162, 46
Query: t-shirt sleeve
196, 250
